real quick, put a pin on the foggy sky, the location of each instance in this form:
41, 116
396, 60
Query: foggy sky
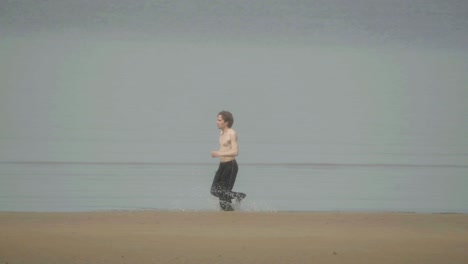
423, 23
359, 81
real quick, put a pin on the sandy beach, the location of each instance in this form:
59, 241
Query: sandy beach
232, 237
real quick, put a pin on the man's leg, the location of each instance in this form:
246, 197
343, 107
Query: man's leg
225, 203
233, 175
216, 185
219, 187
225, 199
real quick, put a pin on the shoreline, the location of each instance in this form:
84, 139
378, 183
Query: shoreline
248, 211
235, 212
152, 236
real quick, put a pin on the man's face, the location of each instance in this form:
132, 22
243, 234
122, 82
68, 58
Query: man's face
220, 122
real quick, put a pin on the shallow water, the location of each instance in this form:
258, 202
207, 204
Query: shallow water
270, 187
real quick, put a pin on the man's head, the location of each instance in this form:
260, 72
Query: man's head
225, 117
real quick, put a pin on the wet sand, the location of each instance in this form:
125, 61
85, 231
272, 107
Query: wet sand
232, 237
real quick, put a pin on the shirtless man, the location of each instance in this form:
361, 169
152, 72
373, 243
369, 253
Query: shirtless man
227, 171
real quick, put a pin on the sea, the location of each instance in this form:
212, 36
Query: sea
338, 105
72, 187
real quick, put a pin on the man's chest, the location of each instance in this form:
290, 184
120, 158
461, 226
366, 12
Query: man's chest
224, 141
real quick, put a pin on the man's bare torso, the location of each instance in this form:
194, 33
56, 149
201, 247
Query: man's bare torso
225, 143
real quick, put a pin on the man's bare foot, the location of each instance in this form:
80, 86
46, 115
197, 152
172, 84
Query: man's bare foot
240, 196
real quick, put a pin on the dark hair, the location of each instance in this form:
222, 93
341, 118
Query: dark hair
227, 117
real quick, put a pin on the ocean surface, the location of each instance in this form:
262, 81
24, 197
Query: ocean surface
68, 187
339, 105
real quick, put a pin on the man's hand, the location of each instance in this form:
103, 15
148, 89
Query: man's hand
214, 154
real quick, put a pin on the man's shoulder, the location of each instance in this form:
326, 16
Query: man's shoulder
232, 132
